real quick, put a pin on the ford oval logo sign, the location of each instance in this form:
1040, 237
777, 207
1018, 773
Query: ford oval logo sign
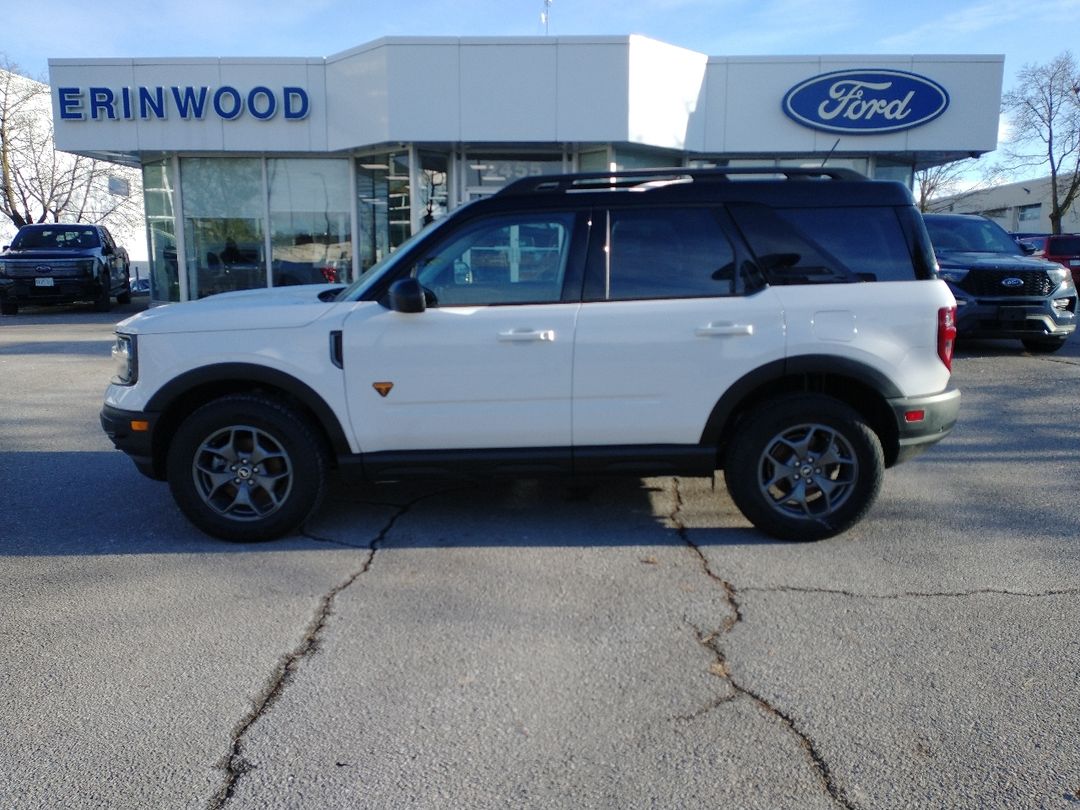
1012, 281
866, 102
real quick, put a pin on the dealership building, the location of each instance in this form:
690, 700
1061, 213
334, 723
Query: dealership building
274, 171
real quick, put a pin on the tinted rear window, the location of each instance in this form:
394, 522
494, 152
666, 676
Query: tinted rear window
1063, 246
822, 245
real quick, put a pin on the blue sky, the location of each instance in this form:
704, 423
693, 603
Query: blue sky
1025, 31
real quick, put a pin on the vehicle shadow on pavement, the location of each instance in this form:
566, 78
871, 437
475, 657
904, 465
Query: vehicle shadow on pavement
103, 506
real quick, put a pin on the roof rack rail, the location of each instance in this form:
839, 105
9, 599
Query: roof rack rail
646, 179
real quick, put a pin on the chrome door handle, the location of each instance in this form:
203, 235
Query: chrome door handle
725, 328
527, 335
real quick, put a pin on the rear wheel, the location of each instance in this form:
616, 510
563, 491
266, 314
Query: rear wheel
1044, 345
804, 467
246, 468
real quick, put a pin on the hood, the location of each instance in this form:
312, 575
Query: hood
275, 308
990, 261
43, 254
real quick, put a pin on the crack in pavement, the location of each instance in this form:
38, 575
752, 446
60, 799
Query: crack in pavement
911, 594
233, 763
722, 669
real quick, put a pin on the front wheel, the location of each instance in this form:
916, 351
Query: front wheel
1044, 345
804, 467
246, 468
103, 302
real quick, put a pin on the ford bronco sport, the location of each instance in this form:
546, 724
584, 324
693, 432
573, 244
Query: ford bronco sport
784, 326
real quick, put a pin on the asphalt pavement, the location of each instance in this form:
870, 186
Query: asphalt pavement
521, 644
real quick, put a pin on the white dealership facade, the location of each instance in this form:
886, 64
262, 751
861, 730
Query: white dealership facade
276, 171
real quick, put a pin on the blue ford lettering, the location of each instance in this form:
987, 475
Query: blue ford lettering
866, 102
187, 103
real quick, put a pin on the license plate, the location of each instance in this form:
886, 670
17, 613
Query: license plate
1074, 262
43, 282
1012, 313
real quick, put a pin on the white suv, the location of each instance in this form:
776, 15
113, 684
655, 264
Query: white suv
787, 329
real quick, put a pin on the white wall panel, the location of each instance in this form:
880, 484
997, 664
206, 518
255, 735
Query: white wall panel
509, 90
593, 89
424, 89
665, 89
357, 102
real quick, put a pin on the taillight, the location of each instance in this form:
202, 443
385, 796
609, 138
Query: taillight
946, 334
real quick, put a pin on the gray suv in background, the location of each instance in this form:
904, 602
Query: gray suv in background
1000, 291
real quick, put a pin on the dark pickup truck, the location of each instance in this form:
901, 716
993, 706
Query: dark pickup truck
61, 264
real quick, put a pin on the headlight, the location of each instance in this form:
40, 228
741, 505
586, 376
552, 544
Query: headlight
123, 355
1059, 275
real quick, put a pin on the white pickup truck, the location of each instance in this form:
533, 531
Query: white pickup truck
788, 330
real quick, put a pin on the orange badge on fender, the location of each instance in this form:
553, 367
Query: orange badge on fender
382, 387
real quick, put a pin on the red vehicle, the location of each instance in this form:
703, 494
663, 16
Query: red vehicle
1064, 249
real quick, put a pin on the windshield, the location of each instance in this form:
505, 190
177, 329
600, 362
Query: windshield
974, 235
364, 280
59, 237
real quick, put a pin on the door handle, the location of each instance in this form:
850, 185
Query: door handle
527, 335
719, 328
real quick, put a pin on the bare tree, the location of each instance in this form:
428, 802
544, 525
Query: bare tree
949, 180
1044, 112
39, 184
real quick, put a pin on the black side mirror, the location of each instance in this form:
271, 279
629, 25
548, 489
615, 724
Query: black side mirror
407, 295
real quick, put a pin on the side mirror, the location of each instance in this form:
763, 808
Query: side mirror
407, 295
1027, 247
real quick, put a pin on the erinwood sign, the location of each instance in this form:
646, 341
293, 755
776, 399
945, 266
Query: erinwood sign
186, 103
866, 102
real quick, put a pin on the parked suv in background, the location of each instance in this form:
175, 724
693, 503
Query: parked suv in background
1000, 291
662, 322
1063, 248
61, 264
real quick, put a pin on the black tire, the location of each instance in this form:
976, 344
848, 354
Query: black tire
9, 307
1044, 345
246, 468
804, 467
125, 296
103, 302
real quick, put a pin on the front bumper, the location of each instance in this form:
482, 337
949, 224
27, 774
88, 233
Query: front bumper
1014, 317
924, 421
133, 433
62, 291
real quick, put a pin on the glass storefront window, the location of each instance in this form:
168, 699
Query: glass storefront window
310, 228
894, 170
486, 174
382, 188
627, 159
158, 188
433, 196
595, 160
223, 224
